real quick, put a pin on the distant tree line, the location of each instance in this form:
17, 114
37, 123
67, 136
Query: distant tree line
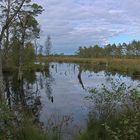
131, 50
43, 50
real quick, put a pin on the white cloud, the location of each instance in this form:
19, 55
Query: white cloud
72, 23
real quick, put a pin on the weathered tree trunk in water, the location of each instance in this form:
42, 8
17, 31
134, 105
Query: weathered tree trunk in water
80, 79
1, 77
21, 57
7, 90
1, 73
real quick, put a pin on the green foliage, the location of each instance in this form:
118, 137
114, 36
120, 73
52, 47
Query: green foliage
13, 55
94, 131
127, 127
29, 57
8, 126
118, 109
37, 9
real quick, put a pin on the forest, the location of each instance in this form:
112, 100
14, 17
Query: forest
131, 50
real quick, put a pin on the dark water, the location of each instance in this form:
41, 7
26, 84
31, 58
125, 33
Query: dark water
57, 95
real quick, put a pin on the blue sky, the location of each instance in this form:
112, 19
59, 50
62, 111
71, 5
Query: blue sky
123, 38
74, 23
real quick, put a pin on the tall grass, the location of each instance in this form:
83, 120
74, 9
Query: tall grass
29, 131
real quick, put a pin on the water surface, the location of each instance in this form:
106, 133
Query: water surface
58, 93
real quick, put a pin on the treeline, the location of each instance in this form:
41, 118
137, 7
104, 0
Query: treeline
131, 50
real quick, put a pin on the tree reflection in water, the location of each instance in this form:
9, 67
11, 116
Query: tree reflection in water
80, 78
23, 93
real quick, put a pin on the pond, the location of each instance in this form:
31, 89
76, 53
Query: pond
57, 95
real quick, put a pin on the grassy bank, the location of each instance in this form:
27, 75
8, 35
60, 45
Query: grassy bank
129, 66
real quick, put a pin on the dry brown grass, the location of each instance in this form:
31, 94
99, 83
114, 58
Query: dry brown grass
114, 64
